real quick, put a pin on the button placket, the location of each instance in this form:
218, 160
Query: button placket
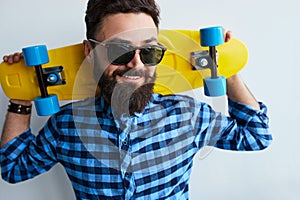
126, 158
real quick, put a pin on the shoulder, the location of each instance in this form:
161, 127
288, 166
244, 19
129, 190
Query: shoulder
76, 107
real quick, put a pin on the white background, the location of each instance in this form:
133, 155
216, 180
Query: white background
270, 29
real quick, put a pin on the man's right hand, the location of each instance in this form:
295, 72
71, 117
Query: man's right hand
13, 58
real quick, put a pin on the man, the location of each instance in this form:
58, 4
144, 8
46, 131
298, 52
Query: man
128, 143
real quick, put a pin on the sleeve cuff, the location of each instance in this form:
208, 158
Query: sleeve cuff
245, 113
16, 146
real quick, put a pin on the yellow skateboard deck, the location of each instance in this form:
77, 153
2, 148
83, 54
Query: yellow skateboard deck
174, 74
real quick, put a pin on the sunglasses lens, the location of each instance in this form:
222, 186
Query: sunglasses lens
120, 54
152, 55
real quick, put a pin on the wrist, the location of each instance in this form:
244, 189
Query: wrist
19, 107
234, 79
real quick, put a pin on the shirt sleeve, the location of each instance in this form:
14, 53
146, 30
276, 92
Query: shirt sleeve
27, 155
246, 129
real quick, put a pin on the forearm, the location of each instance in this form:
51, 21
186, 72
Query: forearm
15, 124
238, 91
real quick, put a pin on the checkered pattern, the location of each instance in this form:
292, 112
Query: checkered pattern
145, 156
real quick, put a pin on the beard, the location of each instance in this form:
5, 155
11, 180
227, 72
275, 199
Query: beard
127, 98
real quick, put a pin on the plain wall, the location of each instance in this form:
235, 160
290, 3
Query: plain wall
270, 31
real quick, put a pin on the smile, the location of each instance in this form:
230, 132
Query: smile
128, 78
132, 77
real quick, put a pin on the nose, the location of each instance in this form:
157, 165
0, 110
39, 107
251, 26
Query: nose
136, 61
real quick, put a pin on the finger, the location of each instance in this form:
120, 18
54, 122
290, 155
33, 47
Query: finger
17, 57
10, 59
5, 58
228, 36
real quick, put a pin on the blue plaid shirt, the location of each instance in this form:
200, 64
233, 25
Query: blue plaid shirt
145, 156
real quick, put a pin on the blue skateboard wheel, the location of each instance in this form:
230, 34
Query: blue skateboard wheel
211, 36
35, 55
214, 87
46, 106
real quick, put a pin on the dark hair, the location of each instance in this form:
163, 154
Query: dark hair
97, 10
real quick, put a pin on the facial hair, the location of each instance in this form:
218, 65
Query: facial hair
127, 98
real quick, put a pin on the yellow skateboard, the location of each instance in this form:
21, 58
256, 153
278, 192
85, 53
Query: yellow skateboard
66, 75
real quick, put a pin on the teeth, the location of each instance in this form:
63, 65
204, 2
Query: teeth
132, 77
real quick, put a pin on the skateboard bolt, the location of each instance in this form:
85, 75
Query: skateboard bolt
52, 78
203, 62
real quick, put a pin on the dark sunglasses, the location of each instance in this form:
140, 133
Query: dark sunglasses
123, 53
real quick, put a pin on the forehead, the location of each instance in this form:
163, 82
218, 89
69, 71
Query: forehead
134, 27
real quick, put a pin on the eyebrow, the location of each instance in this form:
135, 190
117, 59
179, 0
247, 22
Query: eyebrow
152, 39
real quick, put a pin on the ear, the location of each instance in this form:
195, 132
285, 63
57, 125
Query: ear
87, 48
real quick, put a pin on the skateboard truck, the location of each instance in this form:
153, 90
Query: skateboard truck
201, 60
52, 76
36, 56
210, 37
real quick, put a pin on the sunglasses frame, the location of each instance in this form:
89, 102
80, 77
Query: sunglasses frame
131, 52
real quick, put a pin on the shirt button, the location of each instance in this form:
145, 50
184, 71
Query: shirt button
125, 142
